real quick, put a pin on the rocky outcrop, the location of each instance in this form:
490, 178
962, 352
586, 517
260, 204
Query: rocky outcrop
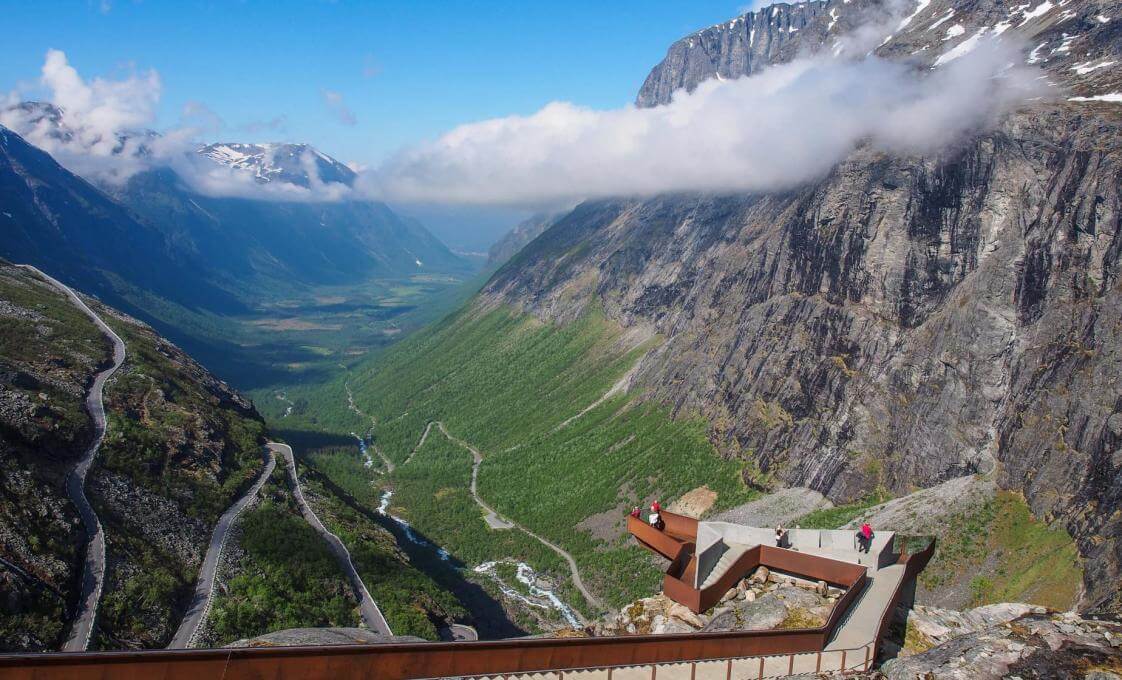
739, 47
901, 322
1006, 641
1066, 39
764, 602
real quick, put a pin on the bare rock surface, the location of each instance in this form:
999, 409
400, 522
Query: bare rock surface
926, 512
759, 605
1033, 646
782, 507
905, 319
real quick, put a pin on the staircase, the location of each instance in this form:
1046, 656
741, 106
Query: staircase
730, 556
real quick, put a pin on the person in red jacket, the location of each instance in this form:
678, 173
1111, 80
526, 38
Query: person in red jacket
864, 537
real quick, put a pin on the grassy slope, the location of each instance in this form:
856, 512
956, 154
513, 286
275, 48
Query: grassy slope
999, 551
1008, 556
504, 382
174, 438
409, 599
270, 590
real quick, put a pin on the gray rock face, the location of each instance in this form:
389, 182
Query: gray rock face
902, 321
765, 613
1035, 646
526, 231
782, 507
909, 30
742, 46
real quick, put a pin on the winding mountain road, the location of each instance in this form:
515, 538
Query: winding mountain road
371, 614
204, 586
498, 522
93, 571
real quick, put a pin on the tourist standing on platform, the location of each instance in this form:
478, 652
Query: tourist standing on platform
655, 517
864, 537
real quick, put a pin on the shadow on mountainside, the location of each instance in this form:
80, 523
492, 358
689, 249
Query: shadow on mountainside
487, 615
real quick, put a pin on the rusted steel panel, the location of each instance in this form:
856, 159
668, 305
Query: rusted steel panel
684, 528
659, 541
834, 572
405, 662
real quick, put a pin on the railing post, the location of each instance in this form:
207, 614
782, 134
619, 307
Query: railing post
654, 670
843, 660
609, 673
693, 671
728, 671
866, 657
818, 663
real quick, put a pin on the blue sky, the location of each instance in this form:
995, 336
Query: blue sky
406, 71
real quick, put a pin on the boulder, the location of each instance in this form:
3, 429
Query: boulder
760, 575
662, 625
682, 613
763, 613
798, 598
730, 595
749, 596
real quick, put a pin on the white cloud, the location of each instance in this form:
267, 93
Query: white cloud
772, 131
103, 134
101, 131
338, 107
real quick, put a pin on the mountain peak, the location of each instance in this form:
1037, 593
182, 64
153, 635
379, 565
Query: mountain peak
280, 162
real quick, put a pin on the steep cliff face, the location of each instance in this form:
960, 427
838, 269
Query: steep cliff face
740, 47
902, 321
1072, 40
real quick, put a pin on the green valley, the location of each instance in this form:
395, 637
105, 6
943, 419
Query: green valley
565, 454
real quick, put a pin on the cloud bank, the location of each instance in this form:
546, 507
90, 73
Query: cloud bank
772, 131
100, 129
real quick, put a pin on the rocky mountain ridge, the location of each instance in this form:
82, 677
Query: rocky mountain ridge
904, 320
1075, 43
297, 164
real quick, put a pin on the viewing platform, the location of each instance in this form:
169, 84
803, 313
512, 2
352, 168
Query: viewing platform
706, 559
